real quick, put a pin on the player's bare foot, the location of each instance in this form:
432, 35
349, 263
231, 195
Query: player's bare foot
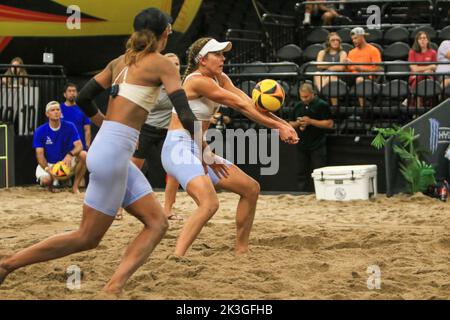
174, 216
3, 271
241, 250
112, 291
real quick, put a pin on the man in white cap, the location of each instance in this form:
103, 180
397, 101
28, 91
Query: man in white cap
57, 140
363, 52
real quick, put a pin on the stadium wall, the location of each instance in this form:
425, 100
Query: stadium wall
342, 150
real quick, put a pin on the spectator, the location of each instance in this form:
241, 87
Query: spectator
311, 118
443, 55
72, 113
333, 52
57, 140
16, 76
315, 13
421, 52
363, 52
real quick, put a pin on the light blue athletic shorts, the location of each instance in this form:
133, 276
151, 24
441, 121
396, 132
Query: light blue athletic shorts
114, 181
180, 158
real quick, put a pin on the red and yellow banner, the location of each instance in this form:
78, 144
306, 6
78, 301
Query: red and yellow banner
107, 18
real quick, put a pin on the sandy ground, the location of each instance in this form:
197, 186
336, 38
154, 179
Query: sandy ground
300, 249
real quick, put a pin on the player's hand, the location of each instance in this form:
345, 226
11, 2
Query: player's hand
217, 164
288, 134
48, 169
220, 169
68, 160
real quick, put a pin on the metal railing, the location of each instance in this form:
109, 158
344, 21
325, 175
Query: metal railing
378, 99
355, 9
382, 98
5, 156
246, 76
248, 46
23, 97
413, 15
281, 30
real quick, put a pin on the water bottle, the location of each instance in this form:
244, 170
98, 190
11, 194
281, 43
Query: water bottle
443, 193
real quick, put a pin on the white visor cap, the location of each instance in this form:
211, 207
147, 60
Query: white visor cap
213, 46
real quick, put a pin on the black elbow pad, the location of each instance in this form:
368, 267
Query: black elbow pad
85, 99
181, 105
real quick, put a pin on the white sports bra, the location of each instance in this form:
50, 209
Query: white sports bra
143, 96
203, 108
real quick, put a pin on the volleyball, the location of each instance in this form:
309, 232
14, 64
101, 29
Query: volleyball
268, 95
60, 170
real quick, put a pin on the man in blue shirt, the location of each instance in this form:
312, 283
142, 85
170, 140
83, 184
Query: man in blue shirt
57, 140
72, 113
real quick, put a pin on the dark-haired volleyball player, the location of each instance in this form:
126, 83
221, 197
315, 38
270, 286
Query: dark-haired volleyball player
114, 180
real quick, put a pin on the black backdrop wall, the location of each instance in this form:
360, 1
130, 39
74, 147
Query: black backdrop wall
341, 151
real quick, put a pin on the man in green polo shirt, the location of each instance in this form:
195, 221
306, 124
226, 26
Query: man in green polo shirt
311, 119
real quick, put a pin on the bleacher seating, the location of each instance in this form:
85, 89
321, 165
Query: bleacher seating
281, 37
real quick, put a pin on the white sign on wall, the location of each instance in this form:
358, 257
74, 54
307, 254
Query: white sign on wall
20, 105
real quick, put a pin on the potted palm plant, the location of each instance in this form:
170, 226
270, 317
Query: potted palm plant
418, 174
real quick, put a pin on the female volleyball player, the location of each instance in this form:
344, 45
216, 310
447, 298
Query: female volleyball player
152, 136
114, 180
207, 88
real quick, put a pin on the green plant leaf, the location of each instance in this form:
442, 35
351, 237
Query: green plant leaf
379, 141
407, 173
418, 174
426, 177
403, 153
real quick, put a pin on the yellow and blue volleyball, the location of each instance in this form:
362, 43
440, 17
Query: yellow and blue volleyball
60, 170
268, 95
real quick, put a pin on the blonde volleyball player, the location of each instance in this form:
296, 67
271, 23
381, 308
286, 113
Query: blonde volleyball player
114, 180
207, 87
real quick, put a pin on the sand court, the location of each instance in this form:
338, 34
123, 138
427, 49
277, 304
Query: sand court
300, 249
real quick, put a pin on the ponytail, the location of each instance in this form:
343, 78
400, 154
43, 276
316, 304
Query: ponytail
139, 44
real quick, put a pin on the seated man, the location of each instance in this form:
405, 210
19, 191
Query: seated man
363, 52
54, 141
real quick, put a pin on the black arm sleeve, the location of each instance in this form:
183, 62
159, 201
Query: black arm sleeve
86, 97
181, 105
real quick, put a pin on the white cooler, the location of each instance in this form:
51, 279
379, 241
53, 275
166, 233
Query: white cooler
344, 183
